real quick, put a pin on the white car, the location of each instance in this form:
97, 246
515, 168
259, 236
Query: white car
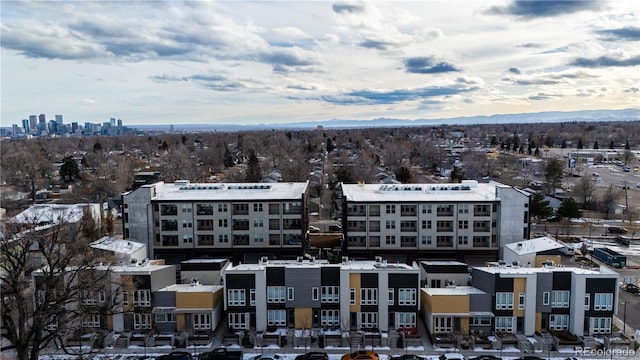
568, 250
314, 229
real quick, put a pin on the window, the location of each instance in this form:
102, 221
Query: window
504, 301
142, 298
257, 207
480, 321
330, 294
426, 239
223, 238
165, 317
602, 301
187, 239
201, 321
238, 321
545, 298
463, 240
252, 297
463, 224
521, 300
352, 296
426, 209
587, 302
142, 321
258, 238
368, 320
204, 209
463, 209
504, 324
405, 319
258, 223
187, 224
442, 324
187, 208
276, 294
390, 209
390, 224
91, 320
329, 317
391, 297
369, 296
52, 324
558, 322
125, 298
426, 224
88, 298
236, 297
600, 325
560, 299
223, 223
315, 293
407, 296
222, 208
390, 240
276, 317
290, 294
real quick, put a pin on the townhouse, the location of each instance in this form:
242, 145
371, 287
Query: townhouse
188, 307
526, 300
358, 295
406, 222
462, 309
182, 220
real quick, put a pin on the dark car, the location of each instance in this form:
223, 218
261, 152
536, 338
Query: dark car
617, 230
313, 355
486, 357
335, 228
176, 355
529, 357
407, 357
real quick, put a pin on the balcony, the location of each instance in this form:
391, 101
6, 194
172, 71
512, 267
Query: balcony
169, 210
241, 240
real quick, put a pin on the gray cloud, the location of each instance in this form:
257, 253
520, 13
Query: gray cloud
543, 8
514, 71
209, 81
55, 43
428, 65
341, 8
531, 45
546, 78
544, 96
606, 61
625, 33
632, 90
378, 45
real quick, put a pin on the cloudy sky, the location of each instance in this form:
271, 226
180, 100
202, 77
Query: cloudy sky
170, 62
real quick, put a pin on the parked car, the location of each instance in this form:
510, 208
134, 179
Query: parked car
314, 229
335, 228
268, 357
486, 357
221, 354
623, 240
568, 250
313, 355
176, 355
617, 230
407, 357
626, 168
529, 357
451, 356
361, 355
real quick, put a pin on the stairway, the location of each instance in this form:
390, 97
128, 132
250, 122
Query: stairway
121, 342
524, 344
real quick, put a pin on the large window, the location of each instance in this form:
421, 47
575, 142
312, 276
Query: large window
142, 298
369, 296
236, 297
276, 294
603, 301
368, 320
330, 294
91, 320
504, 324
521, 301
407, 296
142, 321
558, 322
352, 296
600, 325
166, 317
201, 321
480, 321
390, 209
391, 297
330, 317
560, 299
405, 319
504, 301
276, 317
442, 324
238, 321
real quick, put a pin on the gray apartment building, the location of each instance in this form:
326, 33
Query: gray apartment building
182, 220
411, 221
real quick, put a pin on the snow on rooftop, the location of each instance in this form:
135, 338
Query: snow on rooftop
52, 213
454, 290
117, 245
533, 246
184, 190
468, 190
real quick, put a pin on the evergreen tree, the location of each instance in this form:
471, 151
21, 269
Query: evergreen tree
253, 169
228, 158
569, 208
457, 175
564, 144
553, 174
627, 146
403, 175
540, 207
596, 145
580, 144
69, 169
612, 145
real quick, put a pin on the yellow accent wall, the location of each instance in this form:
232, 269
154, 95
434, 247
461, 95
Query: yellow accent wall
194, 300
303, 317
450, 304
538, 321
355, 283
180, 322
519, 286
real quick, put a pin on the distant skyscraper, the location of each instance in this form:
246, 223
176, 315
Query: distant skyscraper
59, 119
113, 122
26, 126
42, 123
33, 121
74, 127
119, 123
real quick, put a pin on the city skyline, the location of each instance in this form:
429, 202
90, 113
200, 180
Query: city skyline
281, 62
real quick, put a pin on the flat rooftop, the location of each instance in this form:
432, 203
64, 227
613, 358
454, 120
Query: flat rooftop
192, 288
535, 270
454, 290
183, 190
468, 190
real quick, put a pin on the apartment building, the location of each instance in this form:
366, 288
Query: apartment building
526, 300
440, 274
313, 293
182, 220
433, 220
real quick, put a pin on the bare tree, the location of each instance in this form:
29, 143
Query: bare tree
26, 164
42, 291
585, 189
608, 200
